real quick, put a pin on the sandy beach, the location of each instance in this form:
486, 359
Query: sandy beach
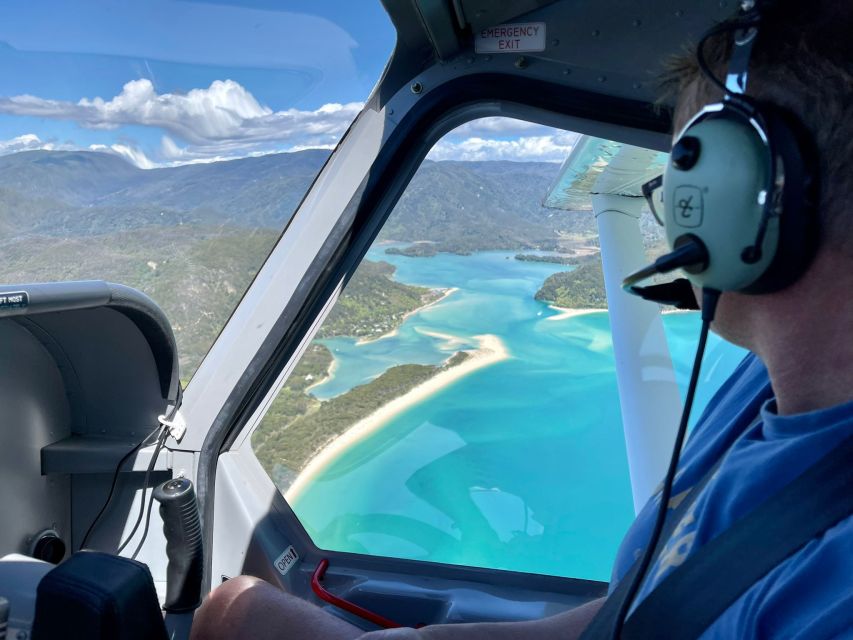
394, 332
330, 373
490, 350
571, 313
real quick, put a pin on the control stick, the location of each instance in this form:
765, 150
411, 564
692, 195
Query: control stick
182, 527
4, 617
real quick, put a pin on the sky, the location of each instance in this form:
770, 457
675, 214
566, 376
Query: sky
168, 82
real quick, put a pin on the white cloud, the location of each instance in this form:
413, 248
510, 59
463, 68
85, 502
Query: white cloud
31, 142
223, 119
134, 155
500, 138
26, 142
547, 148
131, 154
498, 126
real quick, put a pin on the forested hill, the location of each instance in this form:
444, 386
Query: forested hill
192, 237
581, 288
87, 193
470, 206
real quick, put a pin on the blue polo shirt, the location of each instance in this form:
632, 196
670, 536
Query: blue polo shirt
809, 595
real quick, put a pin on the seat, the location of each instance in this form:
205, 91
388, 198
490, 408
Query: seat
19, 578
98, 596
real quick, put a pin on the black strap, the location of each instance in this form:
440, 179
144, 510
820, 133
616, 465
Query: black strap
602, 624
695, 594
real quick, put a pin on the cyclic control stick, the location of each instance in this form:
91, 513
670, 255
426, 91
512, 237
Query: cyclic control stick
182, 527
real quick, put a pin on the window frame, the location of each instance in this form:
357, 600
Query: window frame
446, 107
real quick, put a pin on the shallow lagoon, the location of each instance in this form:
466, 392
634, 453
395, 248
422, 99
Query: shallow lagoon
520, 465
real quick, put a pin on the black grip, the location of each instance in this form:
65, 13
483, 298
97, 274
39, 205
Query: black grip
182, 527
4, 617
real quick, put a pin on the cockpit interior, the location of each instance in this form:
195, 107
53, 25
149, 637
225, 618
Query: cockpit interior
374, 349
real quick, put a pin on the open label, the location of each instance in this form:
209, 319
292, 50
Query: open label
287, 560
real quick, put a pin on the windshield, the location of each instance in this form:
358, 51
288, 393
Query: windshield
165, 144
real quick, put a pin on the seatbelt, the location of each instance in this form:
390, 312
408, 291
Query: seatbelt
695, 594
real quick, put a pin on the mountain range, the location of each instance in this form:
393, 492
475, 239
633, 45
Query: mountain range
192, 237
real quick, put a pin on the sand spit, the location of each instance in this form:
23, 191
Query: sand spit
490, 350
571, 313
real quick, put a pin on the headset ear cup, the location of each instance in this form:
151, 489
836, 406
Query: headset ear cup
798, 220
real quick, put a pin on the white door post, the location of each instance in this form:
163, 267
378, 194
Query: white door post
648, 392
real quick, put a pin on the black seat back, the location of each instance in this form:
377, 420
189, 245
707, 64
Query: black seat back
98, 596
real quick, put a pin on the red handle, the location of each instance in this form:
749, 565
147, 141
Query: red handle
346, 605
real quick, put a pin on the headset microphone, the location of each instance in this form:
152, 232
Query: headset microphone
690, 255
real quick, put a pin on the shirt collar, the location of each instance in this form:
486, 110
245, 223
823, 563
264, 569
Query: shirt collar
798, 424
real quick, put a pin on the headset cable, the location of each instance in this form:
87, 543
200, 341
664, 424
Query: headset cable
111, 493
161, 441
710, 297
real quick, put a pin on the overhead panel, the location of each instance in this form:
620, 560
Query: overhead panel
616, 48
439, 20
481, 14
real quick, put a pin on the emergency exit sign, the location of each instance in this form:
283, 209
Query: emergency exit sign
511, 38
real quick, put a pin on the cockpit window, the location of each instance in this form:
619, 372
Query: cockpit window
165, 144
460, 401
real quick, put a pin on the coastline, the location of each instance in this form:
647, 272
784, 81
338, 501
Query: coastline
330, 373
395, 331
565, 312
571, 313
491, 350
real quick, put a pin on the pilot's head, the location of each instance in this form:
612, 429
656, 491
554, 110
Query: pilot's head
803, 62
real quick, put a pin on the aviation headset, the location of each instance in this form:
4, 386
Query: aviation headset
740, 189
740, 199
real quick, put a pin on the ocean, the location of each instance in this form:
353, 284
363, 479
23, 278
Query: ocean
521, 465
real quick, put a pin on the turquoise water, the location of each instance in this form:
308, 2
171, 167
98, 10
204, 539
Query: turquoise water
520, 465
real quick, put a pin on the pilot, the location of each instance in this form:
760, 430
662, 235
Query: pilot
787, 405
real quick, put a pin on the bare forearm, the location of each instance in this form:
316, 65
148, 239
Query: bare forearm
247, 607
564, 626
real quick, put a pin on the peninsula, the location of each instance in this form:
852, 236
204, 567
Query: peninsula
343, 421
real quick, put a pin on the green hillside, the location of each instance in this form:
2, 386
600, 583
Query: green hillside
192, 237
551, 259
373, 303
414, 250
284, 445
581, 288
197, 279
474, 206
